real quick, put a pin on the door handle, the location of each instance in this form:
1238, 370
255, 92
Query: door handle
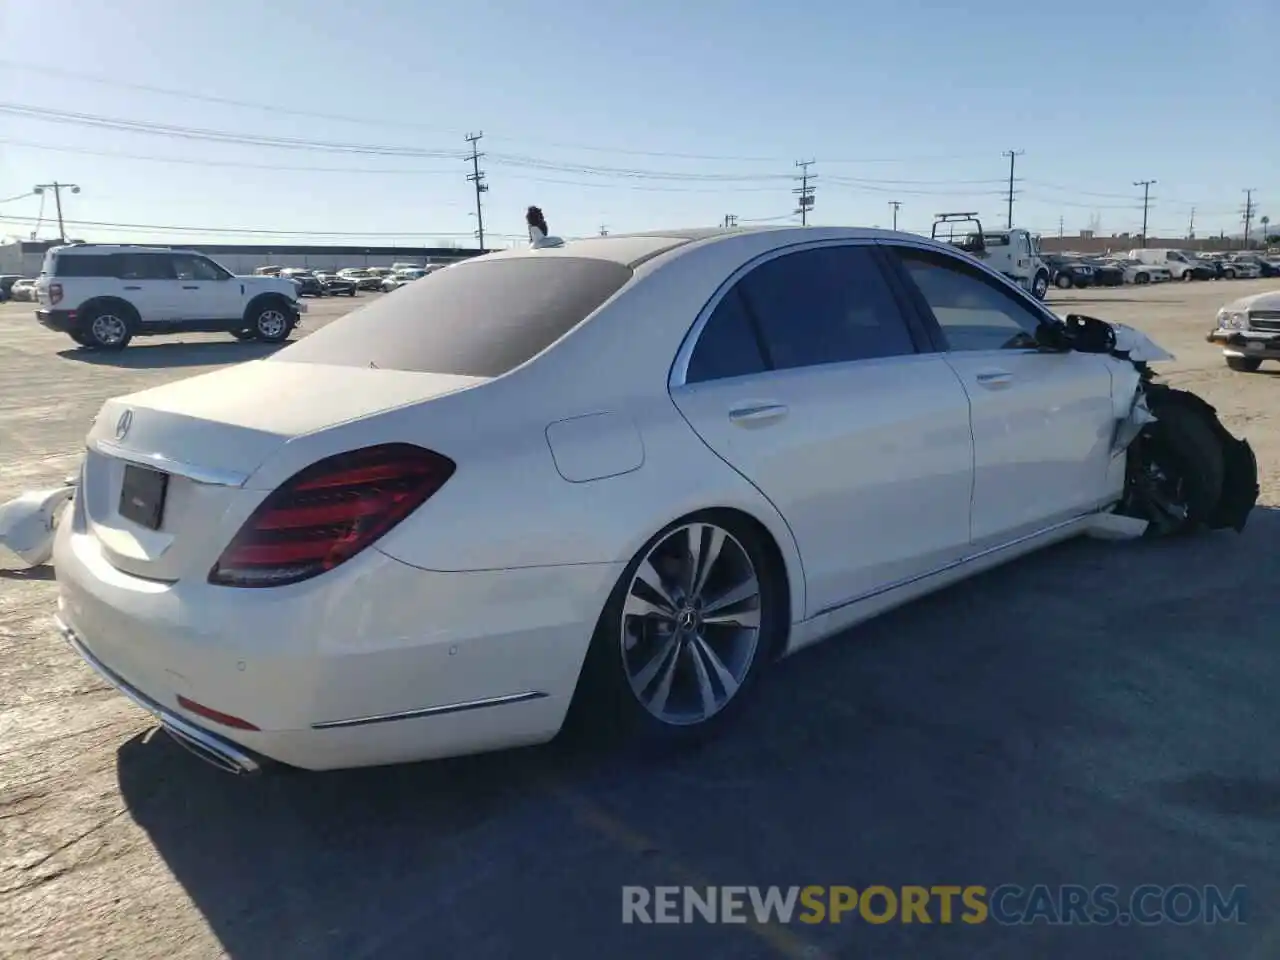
995, 379
759, 413
133, 288
193, 287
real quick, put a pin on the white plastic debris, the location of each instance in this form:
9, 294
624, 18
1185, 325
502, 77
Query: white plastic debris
1113, 526
27, 524
1138, 345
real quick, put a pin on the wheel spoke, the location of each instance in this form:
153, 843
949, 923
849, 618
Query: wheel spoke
637, 606
647, 575
746, 619
705, 690
640, 681
727, 679
658, 703
703, 558
734, 595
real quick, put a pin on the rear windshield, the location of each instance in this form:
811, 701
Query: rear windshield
477, 319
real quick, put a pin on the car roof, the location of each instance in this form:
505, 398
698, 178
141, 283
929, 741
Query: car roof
633, 249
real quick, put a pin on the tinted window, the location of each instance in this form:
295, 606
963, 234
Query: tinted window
188, 267
81, 265
727, 346
973, 312
143, 266
479, 318
826, 305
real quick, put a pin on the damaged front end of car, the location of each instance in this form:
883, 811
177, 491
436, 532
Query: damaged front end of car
1184, 470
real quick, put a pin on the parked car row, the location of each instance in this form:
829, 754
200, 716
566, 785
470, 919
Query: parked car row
1156, 265
17, 288
348, 281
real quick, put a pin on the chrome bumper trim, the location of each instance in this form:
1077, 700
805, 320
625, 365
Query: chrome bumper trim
432, 711
208, 747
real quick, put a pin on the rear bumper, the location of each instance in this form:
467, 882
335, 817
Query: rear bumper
61, 321
221, 753
376, 662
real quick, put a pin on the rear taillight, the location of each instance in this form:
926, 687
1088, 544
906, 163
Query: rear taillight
55, 293
327, 513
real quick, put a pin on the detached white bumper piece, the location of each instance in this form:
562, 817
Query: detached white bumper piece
27, 524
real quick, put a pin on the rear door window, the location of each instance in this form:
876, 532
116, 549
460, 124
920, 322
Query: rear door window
480, 319
143, 266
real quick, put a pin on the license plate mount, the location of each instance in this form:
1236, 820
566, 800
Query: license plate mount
142, 495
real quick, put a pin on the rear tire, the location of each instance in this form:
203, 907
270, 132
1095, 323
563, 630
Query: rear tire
1244, 364
1229, 274
671, 666
1142, 278
109, 327
1063, 282
1040, 286
81, 339
245, 334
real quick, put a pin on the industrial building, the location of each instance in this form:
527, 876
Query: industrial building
25, 257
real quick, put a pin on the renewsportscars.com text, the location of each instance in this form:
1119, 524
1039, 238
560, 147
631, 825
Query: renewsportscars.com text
1008, 904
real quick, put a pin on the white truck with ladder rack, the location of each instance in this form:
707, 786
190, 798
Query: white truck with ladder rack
1013, 252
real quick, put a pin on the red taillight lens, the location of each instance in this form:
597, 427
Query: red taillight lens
55, 293
327, 513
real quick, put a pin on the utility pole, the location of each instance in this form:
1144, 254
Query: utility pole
1059, 228
604, 229
895, 204
805, 191
1249, 211
1191, 225
1012, 155
476, 176
57, 189
1146, 204
730, 221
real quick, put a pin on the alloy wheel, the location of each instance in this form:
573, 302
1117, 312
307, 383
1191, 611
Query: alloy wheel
691, 624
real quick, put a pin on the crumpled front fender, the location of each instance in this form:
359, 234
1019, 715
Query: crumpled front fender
28, 522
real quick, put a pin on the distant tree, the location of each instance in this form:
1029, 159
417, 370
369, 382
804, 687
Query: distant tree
1273, 238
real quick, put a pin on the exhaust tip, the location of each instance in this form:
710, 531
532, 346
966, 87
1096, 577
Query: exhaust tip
211, 753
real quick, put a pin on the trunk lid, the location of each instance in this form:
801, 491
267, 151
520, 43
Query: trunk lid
207, 435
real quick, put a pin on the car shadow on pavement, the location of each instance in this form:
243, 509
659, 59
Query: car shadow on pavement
156, 355
1092, 714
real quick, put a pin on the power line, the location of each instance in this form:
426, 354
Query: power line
805, 191
366, 149
1012, 155
408, 125
1146, 204
476, 176
249, 231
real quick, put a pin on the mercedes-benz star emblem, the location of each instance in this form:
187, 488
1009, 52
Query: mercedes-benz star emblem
123, 424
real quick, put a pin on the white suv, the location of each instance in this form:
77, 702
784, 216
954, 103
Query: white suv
103, 295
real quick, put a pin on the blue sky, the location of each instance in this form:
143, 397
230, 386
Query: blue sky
634, 115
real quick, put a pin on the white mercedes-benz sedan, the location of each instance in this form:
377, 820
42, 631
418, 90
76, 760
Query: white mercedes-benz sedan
620, 474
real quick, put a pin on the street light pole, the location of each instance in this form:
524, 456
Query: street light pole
57, 189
